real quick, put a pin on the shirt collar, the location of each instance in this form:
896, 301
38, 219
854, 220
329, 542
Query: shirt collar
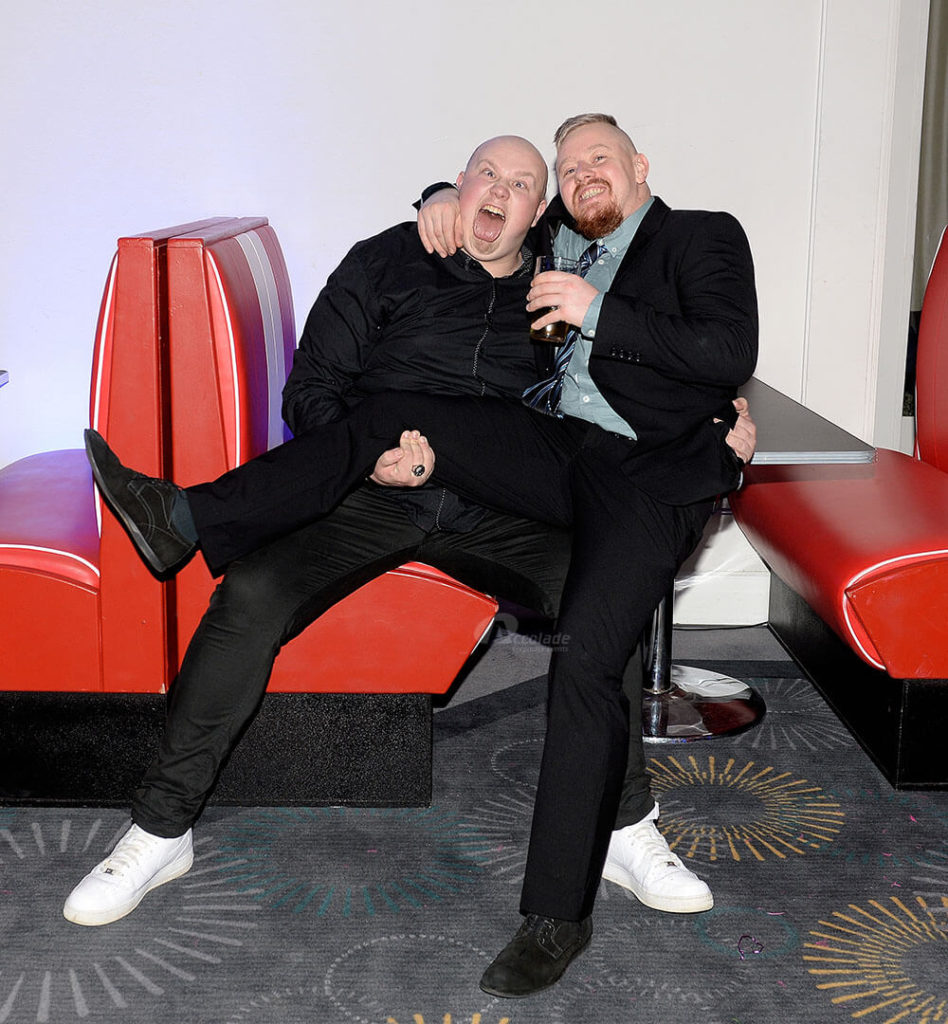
467, 262
616, 242
619, 240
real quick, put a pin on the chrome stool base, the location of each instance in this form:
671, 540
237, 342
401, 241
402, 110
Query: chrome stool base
680, 703
699, 705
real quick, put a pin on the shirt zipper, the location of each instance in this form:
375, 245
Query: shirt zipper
487, 324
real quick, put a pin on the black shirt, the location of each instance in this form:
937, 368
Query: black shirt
391, 318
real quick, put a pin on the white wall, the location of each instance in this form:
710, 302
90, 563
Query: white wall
799, 116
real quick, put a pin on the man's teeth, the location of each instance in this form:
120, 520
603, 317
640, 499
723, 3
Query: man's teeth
495, 210
590, 193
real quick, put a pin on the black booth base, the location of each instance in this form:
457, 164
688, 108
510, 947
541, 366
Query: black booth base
302, 749
899, 722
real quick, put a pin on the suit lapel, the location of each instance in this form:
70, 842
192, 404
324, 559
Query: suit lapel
651, 224
556, 215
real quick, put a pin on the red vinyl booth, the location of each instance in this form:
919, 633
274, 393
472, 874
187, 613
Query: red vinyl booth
77, 612
866, 550
195, 338
231, 342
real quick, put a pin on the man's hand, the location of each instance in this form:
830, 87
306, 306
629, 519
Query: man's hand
399, 467
439, 223
743, 438
571, 294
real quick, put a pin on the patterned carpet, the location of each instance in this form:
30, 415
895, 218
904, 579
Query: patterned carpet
831, 895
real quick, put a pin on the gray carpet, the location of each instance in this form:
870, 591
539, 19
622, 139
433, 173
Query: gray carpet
831, 891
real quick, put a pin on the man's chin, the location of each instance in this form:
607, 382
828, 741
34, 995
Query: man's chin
600, 222
480, 248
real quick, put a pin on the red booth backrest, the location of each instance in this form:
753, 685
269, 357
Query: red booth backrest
232, 340
129, 407
80, 612
931, 414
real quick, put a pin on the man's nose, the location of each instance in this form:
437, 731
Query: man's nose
500, 188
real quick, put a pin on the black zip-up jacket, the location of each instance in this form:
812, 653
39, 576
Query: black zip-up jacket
392, 318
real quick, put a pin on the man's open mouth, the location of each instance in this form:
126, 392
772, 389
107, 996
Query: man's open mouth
488, 223
590, 192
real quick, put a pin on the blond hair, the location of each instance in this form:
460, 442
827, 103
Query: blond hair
579, 120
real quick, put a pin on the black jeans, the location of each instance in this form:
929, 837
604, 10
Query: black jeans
627, 547
271, 595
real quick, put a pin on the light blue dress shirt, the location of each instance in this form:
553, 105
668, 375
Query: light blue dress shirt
581, 398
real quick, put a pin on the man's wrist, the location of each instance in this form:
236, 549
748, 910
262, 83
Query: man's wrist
591, 319
431, 189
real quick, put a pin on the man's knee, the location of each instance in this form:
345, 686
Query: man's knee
253, 595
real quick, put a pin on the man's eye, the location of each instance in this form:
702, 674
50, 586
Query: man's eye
567, 171
520, 184
600, 156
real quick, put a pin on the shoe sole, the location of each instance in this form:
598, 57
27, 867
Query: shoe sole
174, 870
543, 988
670, 905
142, 546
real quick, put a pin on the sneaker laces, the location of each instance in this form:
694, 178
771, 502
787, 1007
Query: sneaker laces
651, 849
127, 855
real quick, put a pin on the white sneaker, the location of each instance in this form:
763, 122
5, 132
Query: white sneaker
139, 863
639, 860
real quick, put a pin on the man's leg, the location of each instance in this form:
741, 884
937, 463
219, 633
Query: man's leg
515, 466
639, 858
626, 550
264, 601
513, 558
526, 562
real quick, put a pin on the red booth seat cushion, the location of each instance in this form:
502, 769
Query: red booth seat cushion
49, 574
48, 517
358, 645
866, 547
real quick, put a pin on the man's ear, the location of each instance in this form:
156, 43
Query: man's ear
460, 179
540, 210
641, 167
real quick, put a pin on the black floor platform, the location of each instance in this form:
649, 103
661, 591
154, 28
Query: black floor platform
354, 750
899, 722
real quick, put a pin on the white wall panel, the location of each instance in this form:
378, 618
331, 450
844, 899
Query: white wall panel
800, 116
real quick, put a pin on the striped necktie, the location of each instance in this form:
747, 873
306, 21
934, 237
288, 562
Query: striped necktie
545, 396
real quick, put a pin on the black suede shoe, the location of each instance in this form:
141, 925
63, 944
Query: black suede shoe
536, 957
143, 505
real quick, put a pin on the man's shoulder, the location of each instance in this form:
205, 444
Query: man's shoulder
680, 227
693, 218
386, 258
399, 240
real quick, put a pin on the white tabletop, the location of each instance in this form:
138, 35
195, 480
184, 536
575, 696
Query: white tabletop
790, 434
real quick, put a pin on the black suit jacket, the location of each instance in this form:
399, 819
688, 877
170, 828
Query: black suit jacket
676, 337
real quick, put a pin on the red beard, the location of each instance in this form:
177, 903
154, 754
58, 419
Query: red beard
601, 222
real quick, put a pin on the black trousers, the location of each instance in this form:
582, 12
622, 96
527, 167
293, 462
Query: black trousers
626, 549
273, 594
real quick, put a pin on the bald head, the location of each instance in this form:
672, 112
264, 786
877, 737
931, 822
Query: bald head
502, 193
519, 150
